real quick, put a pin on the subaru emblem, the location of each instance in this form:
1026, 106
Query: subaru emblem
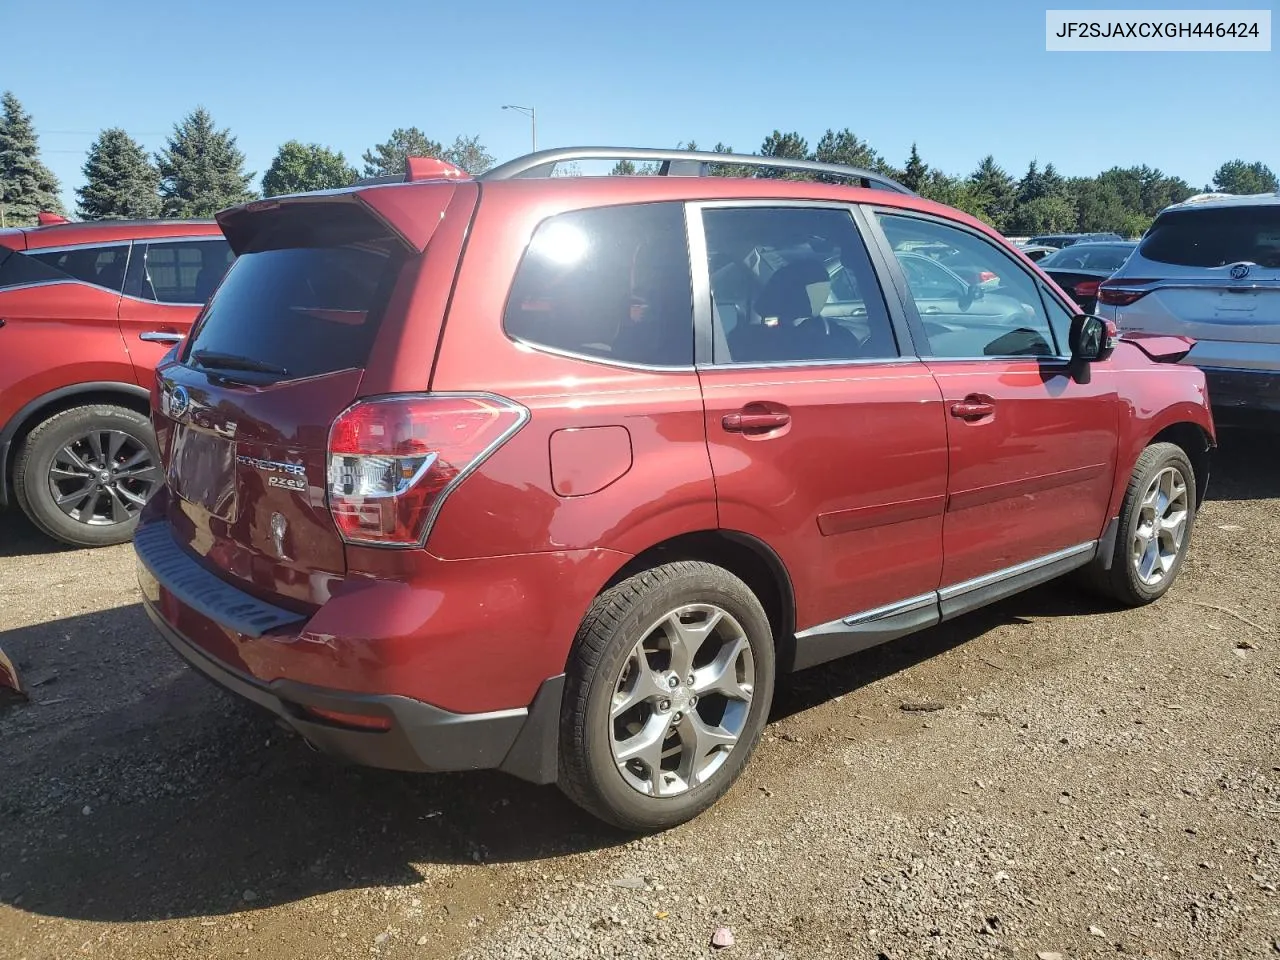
1239, 271
179, 402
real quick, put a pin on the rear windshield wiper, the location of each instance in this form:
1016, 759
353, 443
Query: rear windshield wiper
232, 361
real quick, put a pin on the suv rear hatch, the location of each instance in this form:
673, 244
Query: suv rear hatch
302, 326
1209, 273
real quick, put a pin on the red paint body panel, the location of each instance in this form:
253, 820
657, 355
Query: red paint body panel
1033, 477
54, 336
865, 442
141, 316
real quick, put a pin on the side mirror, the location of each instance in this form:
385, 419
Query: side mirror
1091, 340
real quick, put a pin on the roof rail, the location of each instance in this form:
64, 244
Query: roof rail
681, 163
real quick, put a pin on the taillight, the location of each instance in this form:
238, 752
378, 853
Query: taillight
1086, 288
1122, 292
393, 461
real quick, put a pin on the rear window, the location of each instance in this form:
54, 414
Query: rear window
1085, 256
1216, 237
305, 310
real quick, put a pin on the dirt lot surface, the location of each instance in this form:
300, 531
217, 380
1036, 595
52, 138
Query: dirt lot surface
1085, 783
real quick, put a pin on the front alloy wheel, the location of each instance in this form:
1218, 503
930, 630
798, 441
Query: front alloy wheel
1161, 526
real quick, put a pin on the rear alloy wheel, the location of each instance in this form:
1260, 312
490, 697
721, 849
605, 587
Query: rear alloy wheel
84, 474
667, 695
1156, 520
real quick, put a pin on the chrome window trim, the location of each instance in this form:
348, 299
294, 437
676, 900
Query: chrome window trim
63, 248
593, 358
704, 315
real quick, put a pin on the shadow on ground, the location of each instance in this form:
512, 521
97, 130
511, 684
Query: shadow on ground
18, 538
1245, 466
194, 798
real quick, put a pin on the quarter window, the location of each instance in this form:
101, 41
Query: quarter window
988, 306
793, 284
611, 282
186, 271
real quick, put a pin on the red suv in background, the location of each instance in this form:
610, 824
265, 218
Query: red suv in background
554, 474
86, 312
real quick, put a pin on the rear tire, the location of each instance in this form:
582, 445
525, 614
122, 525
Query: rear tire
83, 475
1156, 520
675, 666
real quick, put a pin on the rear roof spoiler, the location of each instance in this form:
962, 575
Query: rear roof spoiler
345, 215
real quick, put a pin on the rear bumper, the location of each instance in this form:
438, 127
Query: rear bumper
1242, 391
417, 736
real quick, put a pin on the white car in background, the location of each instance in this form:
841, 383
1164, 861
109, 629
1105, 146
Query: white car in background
1209, 269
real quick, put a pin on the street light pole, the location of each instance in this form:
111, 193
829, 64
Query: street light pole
532, 114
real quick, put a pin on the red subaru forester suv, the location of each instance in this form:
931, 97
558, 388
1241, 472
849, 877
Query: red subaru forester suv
555, 474
86, 312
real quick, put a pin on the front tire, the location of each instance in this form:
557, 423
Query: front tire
668, 691
1156, 519
83, 475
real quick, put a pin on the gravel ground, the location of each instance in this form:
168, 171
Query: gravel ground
1083, 783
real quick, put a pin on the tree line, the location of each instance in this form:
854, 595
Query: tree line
200, 170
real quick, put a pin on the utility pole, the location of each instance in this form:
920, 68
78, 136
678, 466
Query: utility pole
532, 114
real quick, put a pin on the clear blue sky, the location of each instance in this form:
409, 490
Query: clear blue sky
960, 79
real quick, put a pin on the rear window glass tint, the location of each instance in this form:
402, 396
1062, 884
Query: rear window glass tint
309, 310
611, 283
1083, 256
1215, 238
17, 269
101, 266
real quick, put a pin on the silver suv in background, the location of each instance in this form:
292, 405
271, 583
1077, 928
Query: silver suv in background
1209, 269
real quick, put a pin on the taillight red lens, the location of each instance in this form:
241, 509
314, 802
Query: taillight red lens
1086, 288
1121, 293
392, 462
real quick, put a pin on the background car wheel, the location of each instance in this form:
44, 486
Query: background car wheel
668, 690
1156, 519
83, 475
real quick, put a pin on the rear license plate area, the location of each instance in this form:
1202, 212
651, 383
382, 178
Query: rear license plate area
202, 471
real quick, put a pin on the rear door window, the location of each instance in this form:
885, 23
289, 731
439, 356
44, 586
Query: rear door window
1216, 237
610, 283
102, 266
182, 271
793, 285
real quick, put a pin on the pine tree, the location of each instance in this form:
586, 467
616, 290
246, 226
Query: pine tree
469, 154
120, 182
303, 167
623, 168
790, 146
996, 190
201, 169
844, 147
390, 159
27, 186
913, 176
